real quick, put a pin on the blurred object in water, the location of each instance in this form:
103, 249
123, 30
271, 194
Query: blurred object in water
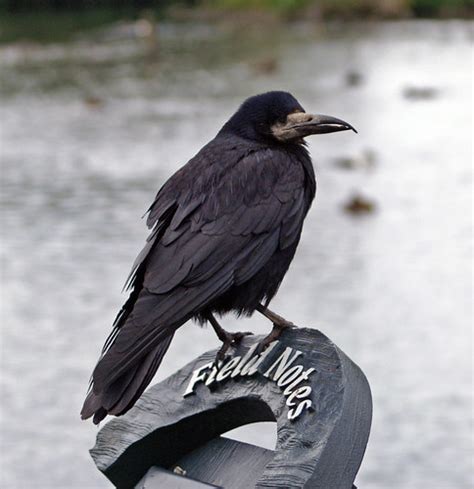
393, 9
120, 31
146, 28
93, 102
420, 93
265, 66
354, 78
365, 160
358, 204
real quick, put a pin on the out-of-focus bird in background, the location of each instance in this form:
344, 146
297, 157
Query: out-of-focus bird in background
224, 229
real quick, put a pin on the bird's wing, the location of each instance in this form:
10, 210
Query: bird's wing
258, 200
225, 226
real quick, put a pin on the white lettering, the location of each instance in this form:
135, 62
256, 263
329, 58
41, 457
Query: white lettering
303, 376
244, 360
286, 376
290, 375
282, 363
212, 376
226, 370
298, 394
294, 413
198, 376
252, 366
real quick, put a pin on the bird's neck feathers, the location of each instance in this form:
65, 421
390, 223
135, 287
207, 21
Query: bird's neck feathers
238, 126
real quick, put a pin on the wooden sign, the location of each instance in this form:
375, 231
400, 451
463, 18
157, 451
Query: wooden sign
318, 397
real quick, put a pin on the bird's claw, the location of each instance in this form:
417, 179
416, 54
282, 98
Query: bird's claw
274, 334
231, 339
262, 345
237, 337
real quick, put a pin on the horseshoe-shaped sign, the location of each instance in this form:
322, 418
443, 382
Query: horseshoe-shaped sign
319, 398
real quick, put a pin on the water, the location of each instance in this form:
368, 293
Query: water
90, 130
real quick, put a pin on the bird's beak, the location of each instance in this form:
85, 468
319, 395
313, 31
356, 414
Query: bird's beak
299, 125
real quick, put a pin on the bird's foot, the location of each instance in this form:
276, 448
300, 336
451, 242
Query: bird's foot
229, 340
275, 333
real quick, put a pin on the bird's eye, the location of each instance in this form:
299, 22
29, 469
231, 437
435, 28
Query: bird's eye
295, 111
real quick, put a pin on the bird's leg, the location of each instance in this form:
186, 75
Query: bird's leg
228, 339
277, 320
279, 324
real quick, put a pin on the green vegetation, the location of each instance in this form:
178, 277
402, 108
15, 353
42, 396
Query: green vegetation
436, 8
276, 5
47, 25
353, 8
50, 20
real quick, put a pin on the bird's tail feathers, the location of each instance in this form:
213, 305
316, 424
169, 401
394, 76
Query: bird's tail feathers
118, 397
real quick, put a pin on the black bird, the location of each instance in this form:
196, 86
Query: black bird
224, 229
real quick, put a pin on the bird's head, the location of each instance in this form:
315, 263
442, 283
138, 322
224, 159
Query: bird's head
278, 117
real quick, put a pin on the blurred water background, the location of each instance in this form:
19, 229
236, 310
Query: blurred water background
91, 127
